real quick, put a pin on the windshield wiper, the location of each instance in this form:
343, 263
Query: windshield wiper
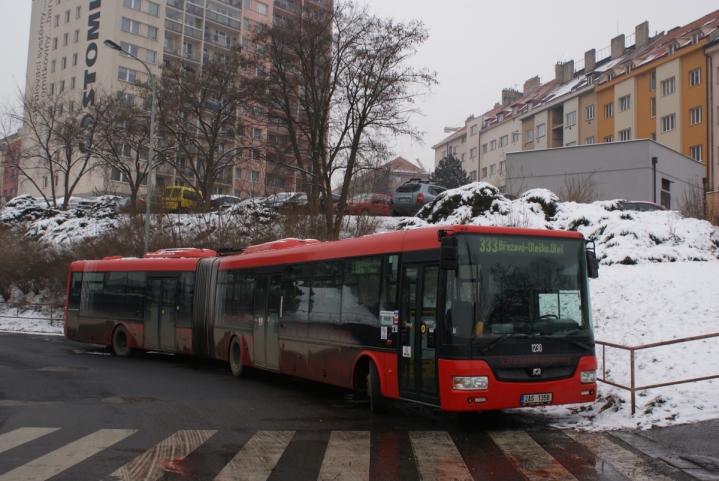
497, 342
565, 338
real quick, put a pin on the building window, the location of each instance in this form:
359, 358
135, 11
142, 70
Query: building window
625, 103
152, 33
76, 37
669, 123
54, 43
500, 117
503, 140
653, 81
653, 136
484, 148
608, 139
154, 9
502, 166
67, 16
473, 152
126, 74
65, 39
77, 12
515, 136
666, 198
134, 4
695, 116
72, 83
254, 176
62, 86
653, 107
589, 112
464, 157
571, 144
492, 169
672, 48
130, 26
695, 77
261, 8
625, 135
696, 153
571, 118
52, 66
256, 133
541, 130
238, 173
473, 130
473, 176
668, 86
695, 38
608, 110
150, 56
455, 150
117, 176
130, 48
589, 140
529, 136
57, 20
493, 145
484, 172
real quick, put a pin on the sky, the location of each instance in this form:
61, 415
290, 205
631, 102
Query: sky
477, 47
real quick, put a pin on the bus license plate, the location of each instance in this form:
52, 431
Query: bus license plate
535, 399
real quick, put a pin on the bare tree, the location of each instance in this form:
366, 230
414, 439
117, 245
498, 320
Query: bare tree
580, 188
52, 130
338, 86
121, 139
203, 132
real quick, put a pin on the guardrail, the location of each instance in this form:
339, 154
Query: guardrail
633, 388
57, 313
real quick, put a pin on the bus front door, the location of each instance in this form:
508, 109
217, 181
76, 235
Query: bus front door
268, 303
418, 337
160, 313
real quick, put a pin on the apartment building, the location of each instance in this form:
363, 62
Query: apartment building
66, 55
639, 87
455, 144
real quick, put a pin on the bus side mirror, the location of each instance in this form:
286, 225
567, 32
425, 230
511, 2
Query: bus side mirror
592, 265
448, 254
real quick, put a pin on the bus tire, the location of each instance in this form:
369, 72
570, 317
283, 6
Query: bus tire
238, 369
378, 403
121, 342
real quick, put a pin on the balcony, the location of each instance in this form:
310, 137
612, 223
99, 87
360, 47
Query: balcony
194, 9
176, 3
172, 25
234, 3
223, 20
219, 40
287, 6
193, 32
183, 53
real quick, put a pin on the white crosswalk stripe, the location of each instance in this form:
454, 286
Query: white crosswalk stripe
347, 457
257, 458
437, 457
67, 456
528, 457
154, 463
626, 462
21, 436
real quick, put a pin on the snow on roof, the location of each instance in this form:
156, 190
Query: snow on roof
565, 88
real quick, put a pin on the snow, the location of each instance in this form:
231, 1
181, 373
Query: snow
564, 89
658, 281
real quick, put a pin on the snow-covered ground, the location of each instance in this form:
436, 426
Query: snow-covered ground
658, 281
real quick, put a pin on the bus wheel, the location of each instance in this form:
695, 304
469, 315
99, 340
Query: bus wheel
378, 403
236, 366
121, 342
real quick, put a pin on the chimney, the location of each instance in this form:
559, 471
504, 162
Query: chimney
509, 96
590, 60
531, 85
617, 46
564, 72
641, 34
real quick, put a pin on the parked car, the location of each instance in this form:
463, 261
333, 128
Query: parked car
640, 205
277, 201
219, 202
180, 199
72, 203
411, 196
368, 204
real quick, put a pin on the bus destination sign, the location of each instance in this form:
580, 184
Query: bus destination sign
495, 245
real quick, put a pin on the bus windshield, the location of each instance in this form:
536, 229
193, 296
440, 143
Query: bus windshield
517, 286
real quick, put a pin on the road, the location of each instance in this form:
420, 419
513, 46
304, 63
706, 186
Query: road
71, 411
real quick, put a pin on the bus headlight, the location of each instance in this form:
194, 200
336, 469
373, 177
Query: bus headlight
470, 383
587, 377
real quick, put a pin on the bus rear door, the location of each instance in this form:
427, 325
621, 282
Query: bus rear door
160, 313
268, 302
418, 336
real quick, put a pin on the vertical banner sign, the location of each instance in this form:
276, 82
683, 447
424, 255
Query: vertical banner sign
43, 51
88, 91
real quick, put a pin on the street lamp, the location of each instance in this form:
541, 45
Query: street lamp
114, 46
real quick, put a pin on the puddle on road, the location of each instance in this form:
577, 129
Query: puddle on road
12, 403
130, 400
102, 352
63, 368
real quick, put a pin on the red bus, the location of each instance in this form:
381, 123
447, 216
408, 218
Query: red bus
460, 317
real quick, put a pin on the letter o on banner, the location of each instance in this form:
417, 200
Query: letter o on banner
90, 61
87, 126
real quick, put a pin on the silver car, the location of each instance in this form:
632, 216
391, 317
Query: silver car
411, 196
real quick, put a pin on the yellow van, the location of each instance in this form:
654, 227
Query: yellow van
180, 199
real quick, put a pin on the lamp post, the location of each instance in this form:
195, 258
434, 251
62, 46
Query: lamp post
114, 46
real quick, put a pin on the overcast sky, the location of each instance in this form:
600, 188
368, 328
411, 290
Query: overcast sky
477, 47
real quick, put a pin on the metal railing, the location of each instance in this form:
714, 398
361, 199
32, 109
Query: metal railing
57, 312
633, 388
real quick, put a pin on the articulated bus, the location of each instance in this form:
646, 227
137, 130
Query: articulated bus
464, 318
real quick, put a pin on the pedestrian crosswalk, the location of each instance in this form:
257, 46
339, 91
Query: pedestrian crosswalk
348, 455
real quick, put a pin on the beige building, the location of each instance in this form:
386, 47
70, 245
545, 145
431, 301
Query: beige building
67, 56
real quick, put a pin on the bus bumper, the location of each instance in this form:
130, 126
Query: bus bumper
506, 395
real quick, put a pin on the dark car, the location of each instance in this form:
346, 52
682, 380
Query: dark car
640, 206
278, 201
219, 202
411, 196
368, 204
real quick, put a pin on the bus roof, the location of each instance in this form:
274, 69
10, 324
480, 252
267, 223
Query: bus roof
136, 264
384, 243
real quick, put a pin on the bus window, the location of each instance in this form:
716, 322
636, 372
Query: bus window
326, 293
73, 301
135, 298
92, 287
114, 294
184, 301
296, 293
361, 291
389, 284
